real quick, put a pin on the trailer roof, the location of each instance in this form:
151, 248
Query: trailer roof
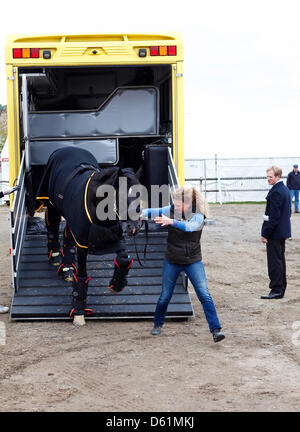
110, 48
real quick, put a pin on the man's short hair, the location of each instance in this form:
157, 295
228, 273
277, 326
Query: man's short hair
276, 170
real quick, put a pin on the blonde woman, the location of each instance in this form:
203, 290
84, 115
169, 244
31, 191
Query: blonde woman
185, 221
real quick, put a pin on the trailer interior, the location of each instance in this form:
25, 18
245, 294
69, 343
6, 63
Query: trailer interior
124, 116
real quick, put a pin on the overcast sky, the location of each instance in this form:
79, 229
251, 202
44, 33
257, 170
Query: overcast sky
242, 63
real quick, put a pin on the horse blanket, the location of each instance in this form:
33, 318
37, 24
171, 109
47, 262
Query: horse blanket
64, 185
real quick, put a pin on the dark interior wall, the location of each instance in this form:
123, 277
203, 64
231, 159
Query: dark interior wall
86, 88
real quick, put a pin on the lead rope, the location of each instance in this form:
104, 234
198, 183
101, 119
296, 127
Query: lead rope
146, 244
147, 237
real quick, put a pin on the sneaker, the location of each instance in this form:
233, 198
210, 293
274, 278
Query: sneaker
156, 330
3, 309
218, 335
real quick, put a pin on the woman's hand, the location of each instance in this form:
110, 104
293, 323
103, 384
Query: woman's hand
163, 220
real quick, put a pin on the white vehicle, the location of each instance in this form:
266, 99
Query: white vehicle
4, 171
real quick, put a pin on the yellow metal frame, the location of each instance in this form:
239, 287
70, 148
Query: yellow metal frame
13, 123
94, 49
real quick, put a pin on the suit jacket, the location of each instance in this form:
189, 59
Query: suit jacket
278, 208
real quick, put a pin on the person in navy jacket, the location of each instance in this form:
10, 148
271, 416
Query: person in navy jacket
275, 230
293, 183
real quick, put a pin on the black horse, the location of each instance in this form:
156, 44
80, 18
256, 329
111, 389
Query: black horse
70, 188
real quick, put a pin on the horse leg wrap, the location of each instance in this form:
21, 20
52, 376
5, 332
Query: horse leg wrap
122, 265
80, 288
67, 269
54, 251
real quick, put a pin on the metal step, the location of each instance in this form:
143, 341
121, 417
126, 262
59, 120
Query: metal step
42, 295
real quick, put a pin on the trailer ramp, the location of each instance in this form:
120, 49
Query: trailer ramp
42, 295
39, 294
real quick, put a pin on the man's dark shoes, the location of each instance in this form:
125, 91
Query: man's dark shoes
218, 335
272, 295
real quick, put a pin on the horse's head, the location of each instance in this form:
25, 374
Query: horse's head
115, 193
132, 200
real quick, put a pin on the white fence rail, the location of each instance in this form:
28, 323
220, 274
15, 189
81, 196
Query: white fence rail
236, 179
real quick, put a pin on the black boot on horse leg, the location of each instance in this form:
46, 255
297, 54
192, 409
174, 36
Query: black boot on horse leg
79, 309
68, 267
123, 263
80, 290
52, 220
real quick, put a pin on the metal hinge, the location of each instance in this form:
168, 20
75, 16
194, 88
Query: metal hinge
11, 78
179, 75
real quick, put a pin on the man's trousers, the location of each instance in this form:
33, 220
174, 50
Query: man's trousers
276, 265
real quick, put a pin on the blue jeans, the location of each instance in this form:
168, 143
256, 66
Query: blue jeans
196, 274
295, 193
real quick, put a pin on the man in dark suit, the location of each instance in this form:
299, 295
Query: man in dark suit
275, 230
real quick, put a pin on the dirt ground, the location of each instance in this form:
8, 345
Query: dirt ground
112, 366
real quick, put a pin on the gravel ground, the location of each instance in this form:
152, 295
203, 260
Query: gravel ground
118, 366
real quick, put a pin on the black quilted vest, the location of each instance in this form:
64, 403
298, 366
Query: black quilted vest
183, 247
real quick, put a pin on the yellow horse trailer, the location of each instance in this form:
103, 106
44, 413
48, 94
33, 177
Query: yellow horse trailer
121, 97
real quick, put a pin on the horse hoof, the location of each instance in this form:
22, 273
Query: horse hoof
69, 278
79, 320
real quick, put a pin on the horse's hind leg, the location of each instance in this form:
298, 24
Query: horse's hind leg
80, 289
52, 219
67, 268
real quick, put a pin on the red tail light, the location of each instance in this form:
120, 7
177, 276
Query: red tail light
154, 51
163, 50
34, 52
26, 53
172, 50
17, 53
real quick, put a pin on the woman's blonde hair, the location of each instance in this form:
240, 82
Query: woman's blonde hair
189, 194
